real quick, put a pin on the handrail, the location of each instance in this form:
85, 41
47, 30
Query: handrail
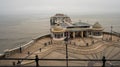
36, 59
59, 59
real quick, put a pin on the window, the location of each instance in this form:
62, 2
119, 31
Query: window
58, 35
97, 33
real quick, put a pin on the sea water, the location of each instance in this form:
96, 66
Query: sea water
17, 30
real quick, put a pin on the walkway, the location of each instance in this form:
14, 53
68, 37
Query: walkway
77, 47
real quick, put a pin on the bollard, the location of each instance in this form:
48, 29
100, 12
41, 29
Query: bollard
104, 60
37, 61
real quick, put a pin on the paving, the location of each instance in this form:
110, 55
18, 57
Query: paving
78, 48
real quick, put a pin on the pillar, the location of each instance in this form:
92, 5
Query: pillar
54, 35
82, 34
73, 34
63, 34
68, 34
86, 33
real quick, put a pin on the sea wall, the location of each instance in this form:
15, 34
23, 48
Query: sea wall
41, 37
9, 52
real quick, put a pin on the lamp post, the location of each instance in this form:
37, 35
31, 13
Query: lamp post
37, 61
103, 60
66, 44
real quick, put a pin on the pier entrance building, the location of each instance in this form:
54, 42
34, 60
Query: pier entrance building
62, 26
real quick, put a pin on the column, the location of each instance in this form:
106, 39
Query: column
69, 34
53, 35
73, 34
82, 34
86, 33
63, 34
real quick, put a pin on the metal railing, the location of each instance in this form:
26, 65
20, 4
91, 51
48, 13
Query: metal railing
36, 59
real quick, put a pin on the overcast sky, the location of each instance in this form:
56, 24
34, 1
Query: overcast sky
59, 6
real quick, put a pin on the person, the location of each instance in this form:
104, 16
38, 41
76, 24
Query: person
28, 52
93, 42
118, 40
49, 42
20, 50
102, 38
70, 42
19, 62
86, 44
45, 44
13, 63
74, 44
40, 49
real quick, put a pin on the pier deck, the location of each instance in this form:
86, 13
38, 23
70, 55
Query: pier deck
77, 49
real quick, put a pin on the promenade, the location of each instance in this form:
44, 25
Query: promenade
78, 48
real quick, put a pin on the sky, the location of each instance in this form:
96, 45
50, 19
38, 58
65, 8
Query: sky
59, 6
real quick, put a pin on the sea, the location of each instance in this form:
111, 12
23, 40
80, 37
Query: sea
17, 30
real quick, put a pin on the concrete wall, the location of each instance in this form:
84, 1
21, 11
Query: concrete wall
9, 52
97, 36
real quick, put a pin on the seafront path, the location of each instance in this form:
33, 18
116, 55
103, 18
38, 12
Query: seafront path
83, 47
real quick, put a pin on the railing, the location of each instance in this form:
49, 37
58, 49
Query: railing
103, 60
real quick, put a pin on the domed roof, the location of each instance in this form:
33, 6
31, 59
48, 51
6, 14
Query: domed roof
97, 25
58, 29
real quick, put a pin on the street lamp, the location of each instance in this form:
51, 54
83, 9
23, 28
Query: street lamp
66, 43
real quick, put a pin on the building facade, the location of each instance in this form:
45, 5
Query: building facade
62, 27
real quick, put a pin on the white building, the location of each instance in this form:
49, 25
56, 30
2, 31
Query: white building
62, 26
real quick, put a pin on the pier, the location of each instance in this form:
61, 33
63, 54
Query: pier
78, 48
68, 44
